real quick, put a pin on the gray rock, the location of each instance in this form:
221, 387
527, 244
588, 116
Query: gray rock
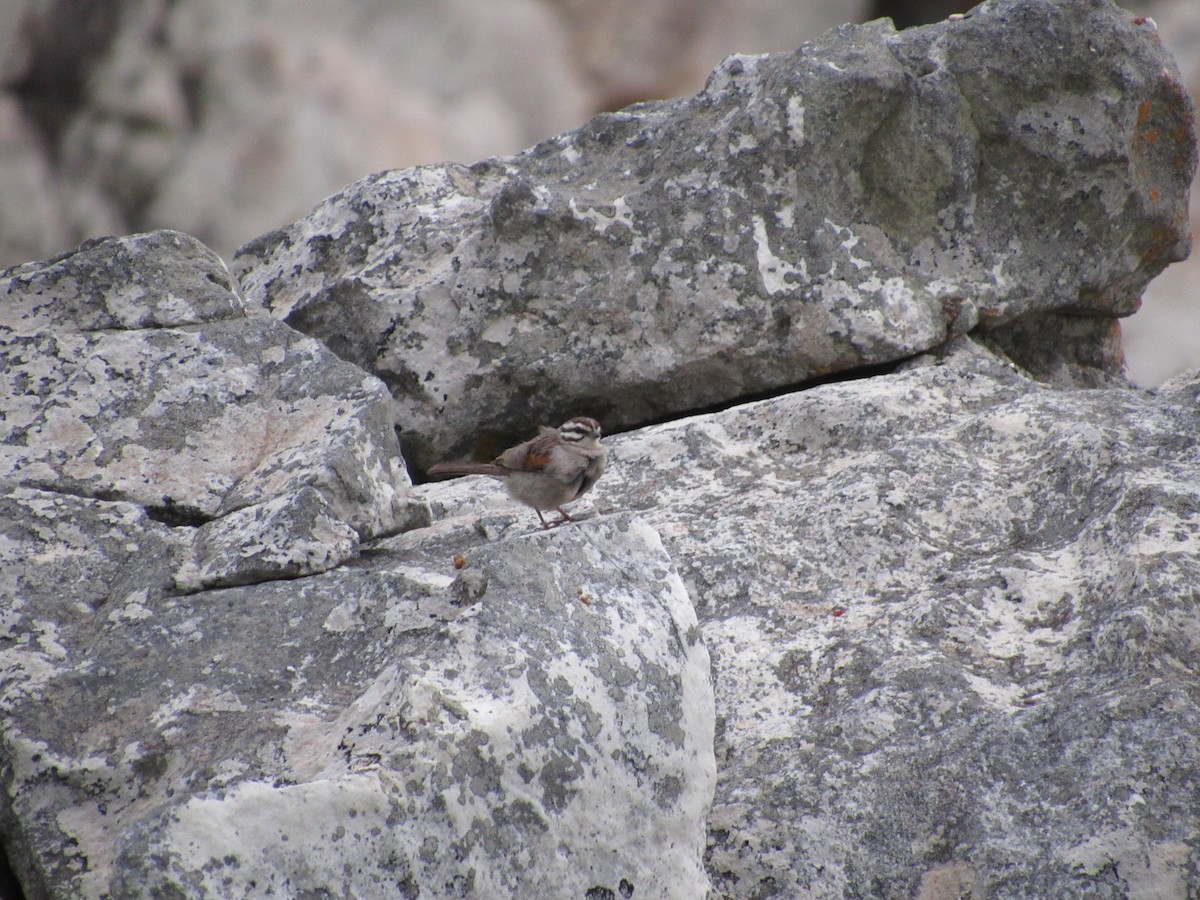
539, 723
72, 572
287, 536
137, 375
542, 720
854, 203
223, 119
952, 618
951, 608
1064, 350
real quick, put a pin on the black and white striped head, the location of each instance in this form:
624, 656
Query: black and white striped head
579, 430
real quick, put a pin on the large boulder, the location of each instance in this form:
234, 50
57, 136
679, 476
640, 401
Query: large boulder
438, 729
928, 630
538, 723
853, 203
137, 374
953, 618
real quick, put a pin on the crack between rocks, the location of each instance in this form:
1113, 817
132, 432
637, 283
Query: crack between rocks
248, 578
869, 370
176, 516
858, 373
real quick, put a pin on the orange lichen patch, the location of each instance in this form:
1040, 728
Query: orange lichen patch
1162, 156
1181, 130
1143, 132
1162, 242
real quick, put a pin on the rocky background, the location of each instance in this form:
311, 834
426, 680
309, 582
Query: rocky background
226, 119
891, 588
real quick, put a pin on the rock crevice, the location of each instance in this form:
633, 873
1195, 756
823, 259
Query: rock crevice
925, 627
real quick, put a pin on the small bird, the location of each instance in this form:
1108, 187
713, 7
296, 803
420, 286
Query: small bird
558, 466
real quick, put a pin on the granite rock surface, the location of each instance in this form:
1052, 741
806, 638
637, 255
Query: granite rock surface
136, 373
952, 614
925, 629
851, 204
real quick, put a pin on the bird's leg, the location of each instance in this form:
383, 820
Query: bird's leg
540, 516
565, 516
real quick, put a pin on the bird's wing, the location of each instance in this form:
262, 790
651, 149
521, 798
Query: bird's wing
544, 453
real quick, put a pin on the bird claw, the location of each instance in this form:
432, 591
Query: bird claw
548, 525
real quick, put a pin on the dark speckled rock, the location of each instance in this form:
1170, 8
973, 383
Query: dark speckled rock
930, 633
133, 372
536, 723
853, 203
954, 618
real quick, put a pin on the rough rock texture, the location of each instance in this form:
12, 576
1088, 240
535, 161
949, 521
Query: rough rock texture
135, 373
538, 724
224, 119
496, 736
928, 632
538, 720
854, 203
953, 620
